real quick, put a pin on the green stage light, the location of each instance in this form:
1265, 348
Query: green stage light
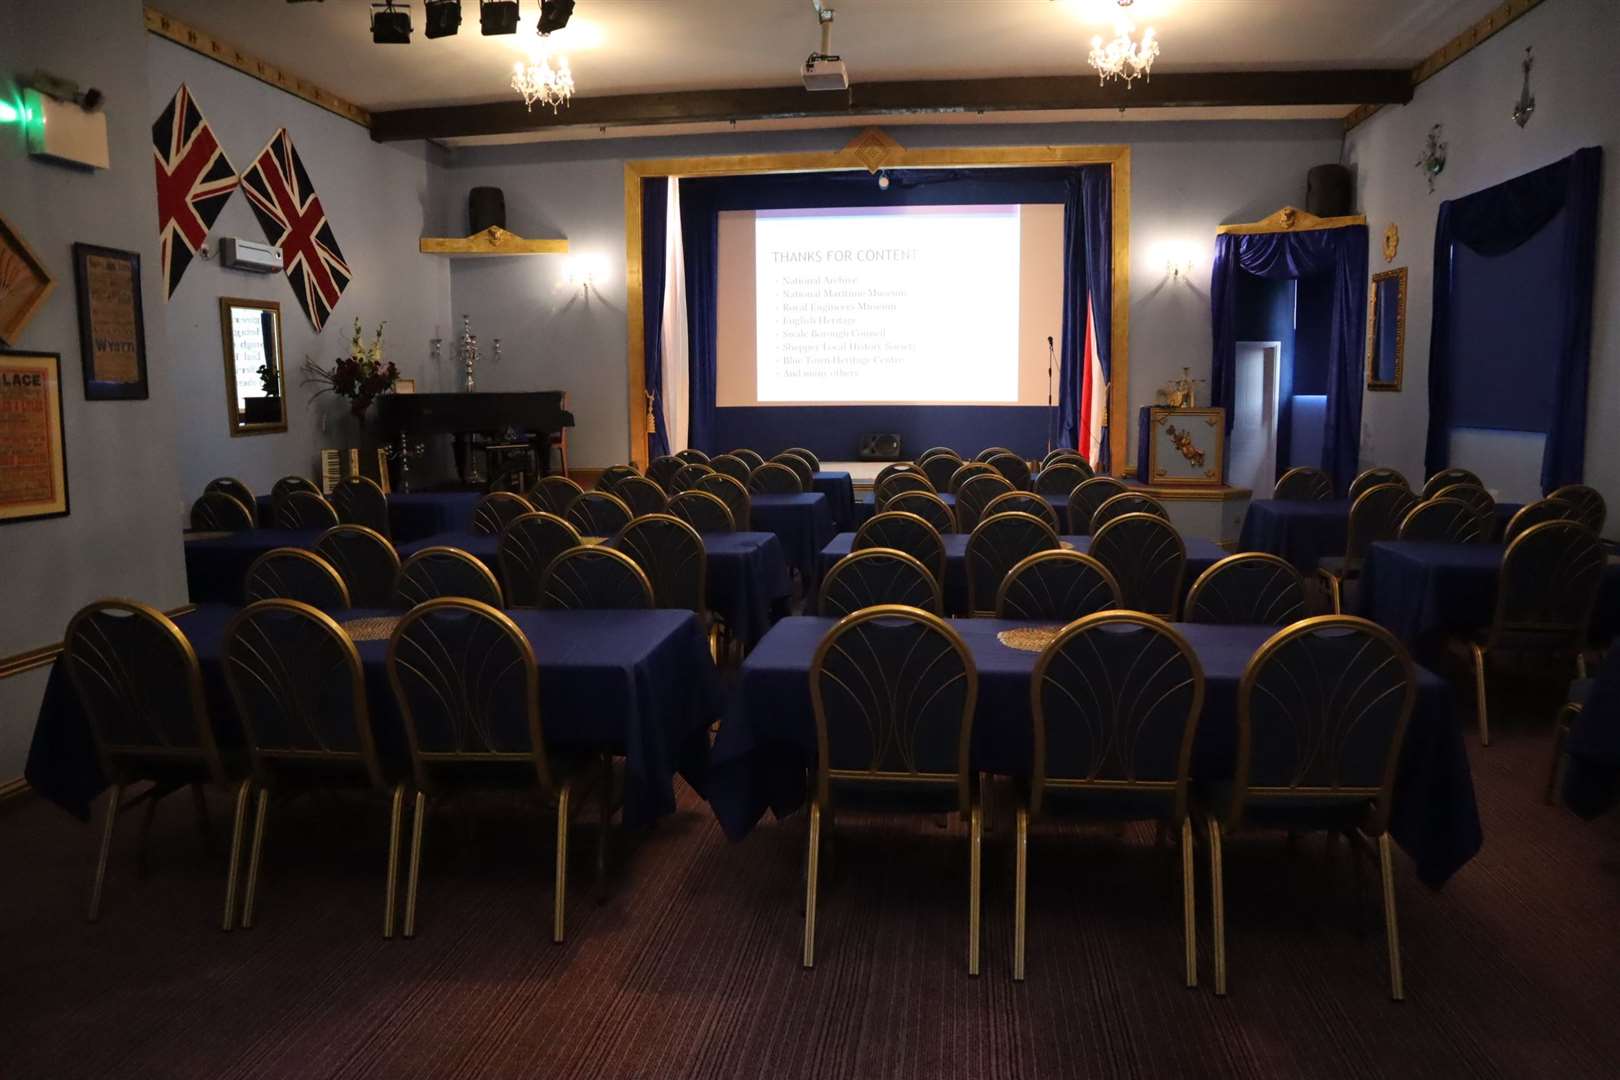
9, 114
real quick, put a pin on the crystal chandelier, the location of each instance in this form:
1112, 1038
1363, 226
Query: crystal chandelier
1123, 57
539, 82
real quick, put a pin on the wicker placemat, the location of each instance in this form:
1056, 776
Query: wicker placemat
375, 628
1028, 638
592, 541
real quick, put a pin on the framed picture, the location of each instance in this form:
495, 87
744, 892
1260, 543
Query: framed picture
24, 282
112, 331
404, 386
33, 483
1186, 446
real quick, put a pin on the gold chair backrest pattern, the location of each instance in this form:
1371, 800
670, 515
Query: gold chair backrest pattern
237, 490
975, 494
1064, 456
751, 457
640, 494
359, 500
895, 468
595, 578
1056, 586
220, 511
875, 576
811, 459
910, 480
734, 493
688, 476
598, 513
1587, 505
613, 474
1443, 521
1376, 515
305, 510
1127, 502
937, 451
1024, 502
661, 470
733, 466
926, 505
693, 456
702, 511
801, 468
554, 494
527, 547
1147, 557
286, 486
366, 561
288, 573
497, 510
1549, 509
1085, 500
1303, 484
967, 471
1445, 478
989, 452
1478, 499
1251, 589
1061, 477
436, 572
1549, 584
996, 545
671, 553
774, 478
1371, 478
1014, 469
940, 468
902, 531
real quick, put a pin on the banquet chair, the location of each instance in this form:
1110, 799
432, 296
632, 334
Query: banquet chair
1056, 587
812, 459
1375, 515
1126, 502
554, 494
926, 505
751, 458
286, 486
1147, 558
1087, 497
477, 725
496, 511
305, 510
359, 500
693, 456
897, 468
996, 545
661, 470
937, 451
1322, 713
1064, 456
967, 471
595, 578
670, 552
365, 560
514, 480
613, 474
893, 689
1530, 514
1443, 521
989, 452
527, 547
295, 678
436, 572
1060, 477
733, 466
1013, 468
702, 511
874, 576
939, 469
801, 469
907, 532
975, 495
1116, 698
1588, 506
1545, 595
1371, 478
219, 511
597, 513
140, 687
1445, 478
237, 490
688, 476
1023, 502
774, 478
288, 573
640, 494
1580, 692
1250, 589
734, 493
1478, 499
1303, 484
899, 482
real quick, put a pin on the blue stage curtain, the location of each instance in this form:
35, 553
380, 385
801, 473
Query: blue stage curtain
1063, 429
1494, 222
1097, 216
700, 241
654, 229
1341, 253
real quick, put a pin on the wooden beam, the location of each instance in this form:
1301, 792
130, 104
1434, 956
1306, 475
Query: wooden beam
1043, 93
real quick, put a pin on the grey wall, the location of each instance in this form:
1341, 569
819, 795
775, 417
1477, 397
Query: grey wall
1186, 180
1576, 80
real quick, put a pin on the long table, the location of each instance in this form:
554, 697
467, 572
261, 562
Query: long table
1592, 770
804, 523
414, 514
767, 739
1304, 532
639, 682
839, 487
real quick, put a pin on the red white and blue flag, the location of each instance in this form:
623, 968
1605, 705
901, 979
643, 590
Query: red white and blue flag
1093, 392
284, 200
194, 181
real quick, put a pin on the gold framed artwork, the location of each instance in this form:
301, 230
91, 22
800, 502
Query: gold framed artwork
112, 330
1386, 330
1186, 446
404, 386
255, 382
24, 282
33, 481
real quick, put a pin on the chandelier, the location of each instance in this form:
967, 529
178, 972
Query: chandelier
539, 82
1124, 58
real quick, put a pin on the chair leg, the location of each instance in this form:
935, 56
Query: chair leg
253, 859
1397, 987
114, 797
1021, 895
238, 823
396, 815
415, 872
1189, 912
141, 864
560, 884
975, 859
1337, 592
1479, 694
812, 870
1217, 891
604, 825
205, 829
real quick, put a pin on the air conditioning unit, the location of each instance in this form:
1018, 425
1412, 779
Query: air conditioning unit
825, 73
255, 258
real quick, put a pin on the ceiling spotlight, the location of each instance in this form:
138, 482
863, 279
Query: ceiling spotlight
554, 14
498, 16
443, 17
390, 25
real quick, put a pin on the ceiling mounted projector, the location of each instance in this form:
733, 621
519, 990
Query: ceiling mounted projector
823, 70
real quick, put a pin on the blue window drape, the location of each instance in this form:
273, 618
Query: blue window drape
654, 233
1340, 253
1495, 221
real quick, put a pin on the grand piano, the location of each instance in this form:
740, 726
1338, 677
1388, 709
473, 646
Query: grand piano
538, 414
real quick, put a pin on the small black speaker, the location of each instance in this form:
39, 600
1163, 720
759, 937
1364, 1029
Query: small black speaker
1328, 191
879, 446
486, 206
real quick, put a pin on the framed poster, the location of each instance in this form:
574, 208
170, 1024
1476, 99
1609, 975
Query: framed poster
112, 332
1186, 446
24, 282
33, 459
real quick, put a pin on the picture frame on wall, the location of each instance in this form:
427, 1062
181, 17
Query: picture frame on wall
112, 328
25, 284
34, 483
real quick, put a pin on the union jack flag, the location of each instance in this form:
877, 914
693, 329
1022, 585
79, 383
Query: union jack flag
279, 190
194, 181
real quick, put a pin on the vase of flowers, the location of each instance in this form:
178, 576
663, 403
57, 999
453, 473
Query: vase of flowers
359, 377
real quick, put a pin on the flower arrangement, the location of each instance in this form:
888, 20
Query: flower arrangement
360, 377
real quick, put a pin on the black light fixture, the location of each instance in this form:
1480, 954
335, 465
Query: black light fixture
498, 16
390, 25
443, 17
554, 14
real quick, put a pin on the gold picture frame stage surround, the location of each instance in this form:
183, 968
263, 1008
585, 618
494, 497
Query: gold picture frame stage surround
872, 150
34, 483
25, 284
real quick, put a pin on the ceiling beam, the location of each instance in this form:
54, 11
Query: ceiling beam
1046, 93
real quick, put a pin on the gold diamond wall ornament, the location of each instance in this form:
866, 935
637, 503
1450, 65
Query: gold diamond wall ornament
873, 149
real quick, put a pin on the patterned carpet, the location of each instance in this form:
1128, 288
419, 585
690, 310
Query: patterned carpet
691, 967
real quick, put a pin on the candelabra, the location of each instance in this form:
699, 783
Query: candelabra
402, 452
467, 353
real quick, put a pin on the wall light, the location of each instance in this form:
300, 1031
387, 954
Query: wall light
586, 271
1178, 258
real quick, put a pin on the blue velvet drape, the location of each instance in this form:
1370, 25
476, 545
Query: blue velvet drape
1341, 253
1494, 222
1088, 238
654, 232
700, 241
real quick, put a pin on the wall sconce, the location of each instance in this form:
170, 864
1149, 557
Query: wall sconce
1177, 259
586, 271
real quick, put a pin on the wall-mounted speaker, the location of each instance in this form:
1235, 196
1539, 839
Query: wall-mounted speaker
879, 446
1328, 191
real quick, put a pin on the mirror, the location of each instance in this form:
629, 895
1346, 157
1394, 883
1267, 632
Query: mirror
1386, 330
255, 383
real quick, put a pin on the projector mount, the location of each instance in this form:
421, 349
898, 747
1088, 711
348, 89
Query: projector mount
824, 16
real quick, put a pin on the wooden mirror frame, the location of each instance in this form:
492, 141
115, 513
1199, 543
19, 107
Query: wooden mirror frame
238, 424
1373, 381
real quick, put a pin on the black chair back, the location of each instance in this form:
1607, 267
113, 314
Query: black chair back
527, 547
1063, 455
703, 512
1548, 587
693, 456
1443, 521
801, 469
305, 510
365, 559
555, 494
595, 578
975, 494
286, 486
733, 493
1127, 502
1085, 500
902, 531
1056, 586
752, 457
219, 511
640, 494
937, 451
1251, 589
940, 468
998, 544
497, 510
237, 490
896, 468
810, 458
1548, 509
1376, 515
288, 573
774, 478
1022, 502
926, 505
437, 572
991, 451
911, 480
875, 576
1371, 478
597, 513
670, 552
1445, 478
359, 500
1478, 499
967, 471
1013, 468
661, 470
1061, 477
1587, 503
1302, 483
613, 474
733, 466
688, 475
1148, 559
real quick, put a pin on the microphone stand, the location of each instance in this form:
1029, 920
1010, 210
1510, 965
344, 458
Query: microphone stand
1051, 416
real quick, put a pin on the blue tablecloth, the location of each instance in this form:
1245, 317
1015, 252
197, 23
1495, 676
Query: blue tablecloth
767, 740
1592, 769
839, 488
866, 506
804, 524
640, 682
216, 565
1306, 532
1201, 555
413, 515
